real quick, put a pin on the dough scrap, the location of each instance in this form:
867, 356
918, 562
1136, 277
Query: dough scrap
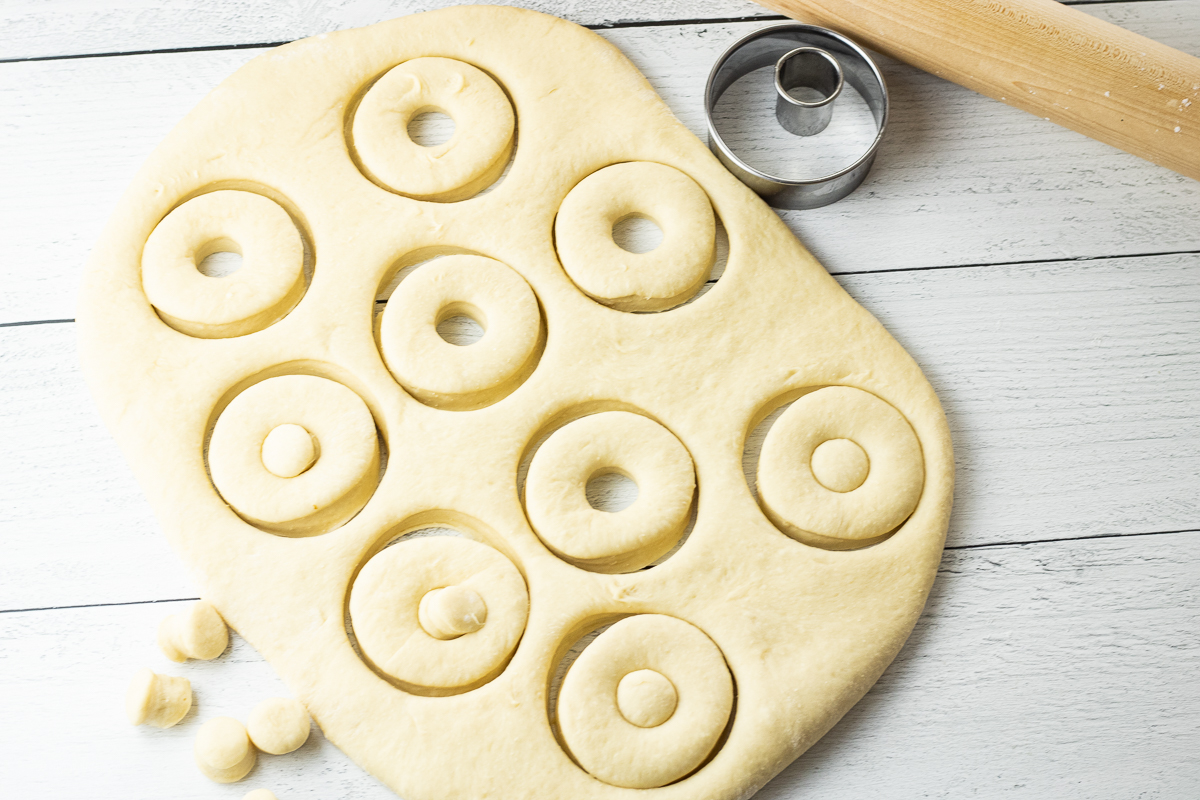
158, 700
223, 750
800, 593
278, 725
198, 632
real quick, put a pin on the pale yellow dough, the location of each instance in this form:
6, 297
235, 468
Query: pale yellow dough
429, 658
158, 700
446, 375
611, 441
223, 751
268, 284
198, 633
664, 277
278, 725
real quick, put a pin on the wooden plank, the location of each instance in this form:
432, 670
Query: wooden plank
960, 179
1070, 390
1064, 670
41, 29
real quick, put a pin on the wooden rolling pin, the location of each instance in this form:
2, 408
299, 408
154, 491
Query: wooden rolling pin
1042, 57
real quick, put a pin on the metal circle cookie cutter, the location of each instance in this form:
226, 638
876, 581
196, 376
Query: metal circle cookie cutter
805, 56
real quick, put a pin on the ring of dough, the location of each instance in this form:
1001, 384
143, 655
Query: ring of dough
801, 505
268, 285
445, 375
332, 490
385, 604
462, 166
599, 444
617, 751
654, 281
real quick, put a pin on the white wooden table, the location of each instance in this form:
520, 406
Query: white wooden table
1048, 285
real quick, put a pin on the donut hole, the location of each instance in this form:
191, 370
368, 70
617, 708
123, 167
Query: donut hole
637, 233
611, 490
840, 465
461, 324
431, 127
219, 258
289, 450
646, 698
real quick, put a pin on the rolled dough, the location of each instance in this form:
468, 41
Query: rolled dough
795, 617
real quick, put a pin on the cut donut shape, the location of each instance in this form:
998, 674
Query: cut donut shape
268, 285
840, 469
324, 495
646, 702
459, 168
611, 441
450, 376
655, 280
438, 615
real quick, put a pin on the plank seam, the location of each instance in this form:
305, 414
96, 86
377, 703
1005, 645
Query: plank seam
1020, 263
955, 548
34, 322
99, 605
927, 268
983, 545
602, 26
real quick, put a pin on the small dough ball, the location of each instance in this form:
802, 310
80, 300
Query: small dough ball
199, 633
840, 465
158, 700
278, 725
223, 750
288, 450
451, 612
646, 698
261, 794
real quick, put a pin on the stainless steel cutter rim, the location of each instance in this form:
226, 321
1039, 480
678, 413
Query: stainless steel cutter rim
828, 98
779, 184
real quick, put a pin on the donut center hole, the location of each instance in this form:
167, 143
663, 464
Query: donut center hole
646, 698
637, 233
451, 612
611, 491
840, 465
289, 450
461, 325
431, 128
219, 258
